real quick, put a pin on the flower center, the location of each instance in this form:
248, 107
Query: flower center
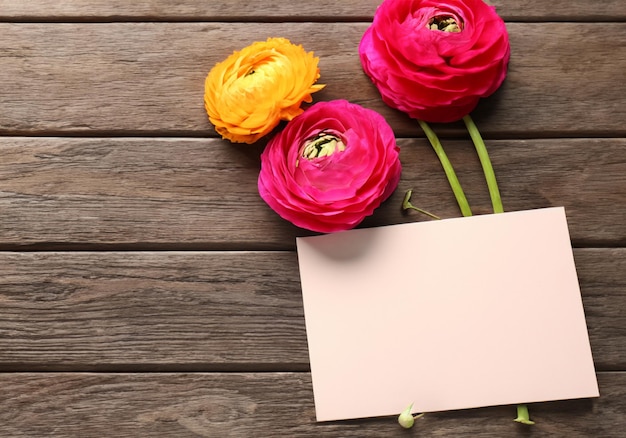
445, 23
323, 144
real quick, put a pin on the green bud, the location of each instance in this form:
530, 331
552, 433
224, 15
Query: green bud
406, 419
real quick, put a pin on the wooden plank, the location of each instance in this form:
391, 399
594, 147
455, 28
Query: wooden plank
206, 311
195, 310
323, 10
137, 193
260, 405
602, 278
540, 10
148, 78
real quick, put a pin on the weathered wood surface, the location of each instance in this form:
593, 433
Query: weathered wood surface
260, 405
205, 310
199, 310
148, 78
202, 193
106, 147
320, 10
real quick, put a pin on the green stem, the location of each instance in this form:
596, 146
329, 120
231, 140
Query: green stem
485, 162
406, 205
522, 415
448, 169
496, 202
522, 410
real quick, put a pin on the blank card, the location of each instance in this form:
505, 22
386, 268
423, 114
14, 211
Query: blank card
449, 314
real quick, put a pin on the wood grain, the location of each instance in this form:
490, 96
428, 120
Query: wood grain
206, 311
148, 78
319, 10
202, 193
259, 405
196, 310
147, 290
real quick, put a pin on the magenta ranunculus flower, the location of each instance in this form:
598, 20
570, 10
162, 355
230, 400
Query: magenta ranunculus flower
434, 59
330, 167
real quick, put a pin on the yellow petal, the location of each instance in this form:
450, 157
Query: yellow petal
248, 93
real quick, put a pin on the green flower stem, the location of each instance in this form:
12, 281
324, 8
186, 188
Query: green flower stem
447, 167
406, 205
522, 415
496, 202
522, 410
485, 162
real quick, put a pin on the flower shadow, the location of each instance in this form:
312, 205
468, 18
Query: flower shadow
347, 246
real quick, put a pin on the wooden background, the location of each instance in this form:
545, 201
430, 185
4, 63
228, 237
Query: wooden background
147, 290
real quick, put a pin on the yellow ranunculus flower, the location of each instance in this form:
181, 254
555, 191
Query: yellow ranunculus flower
251, 91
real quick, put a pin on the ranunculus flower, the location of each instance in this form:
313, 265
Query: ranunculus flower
330, 167
434, 59
251, 91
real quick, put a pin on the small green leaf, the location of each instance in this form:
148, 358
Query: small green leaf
406, 205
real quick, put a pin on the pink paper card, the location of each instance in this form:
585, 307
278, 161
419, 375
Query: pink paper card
450, 314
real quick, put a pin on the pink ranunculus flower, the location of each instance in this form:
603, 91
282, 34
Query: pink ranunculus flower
330, 167
434, 59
